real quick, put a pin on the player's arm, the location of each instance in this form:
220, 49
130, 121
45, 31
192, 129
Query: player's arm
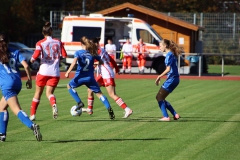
28, 72
168, 68
71, 67
63, 51
36, 53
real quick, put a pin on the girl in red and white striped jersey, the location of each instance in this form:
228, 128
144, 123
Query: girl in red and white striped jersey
49, 50
106, 79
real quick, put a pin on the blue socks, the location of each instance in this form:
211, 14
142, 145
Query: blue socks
170, 108
24, 119
74, 94
105, 101
3, 122
162, 106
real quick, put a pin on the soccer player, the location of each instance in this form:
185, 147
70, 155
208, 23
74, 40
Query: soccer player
85, 74
111, 50
172, 81
106, 79
49, 50
11, 84
141, 50
127, 50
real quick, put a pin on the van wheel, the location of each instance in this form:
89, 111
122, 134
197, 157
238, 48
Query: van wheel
158, 64
160, 68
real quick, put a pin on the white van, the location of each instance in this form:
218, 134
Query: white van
116, 28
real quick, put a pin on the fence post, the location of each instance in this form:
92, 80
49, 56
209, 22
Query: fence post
194, 18
222, 65
51, 20
234, 23
200, 66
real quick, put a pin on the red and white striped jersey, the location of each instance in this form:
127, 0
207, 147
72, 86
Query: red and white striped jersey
49, 50
105, 69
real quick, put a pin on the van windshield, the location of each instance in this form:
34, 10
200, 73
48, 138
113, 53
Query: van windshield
90, 32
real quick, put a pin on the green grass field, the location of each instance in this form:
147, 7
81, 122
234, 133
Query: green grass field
208, 130
228, 69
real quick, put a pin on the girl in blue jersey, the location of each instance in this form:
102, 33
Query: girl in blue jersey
11, 84
172, 80
85, 74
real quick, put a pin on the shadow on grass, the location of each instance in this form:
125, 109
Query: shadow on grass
108, 140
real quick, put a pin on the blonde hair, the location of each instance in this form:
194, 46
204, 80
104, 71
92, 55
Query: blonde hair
177, 50
90, 46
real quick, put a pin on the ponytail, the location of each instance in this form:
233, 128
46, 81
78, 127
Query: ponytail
4, 54
90, 46
177, 50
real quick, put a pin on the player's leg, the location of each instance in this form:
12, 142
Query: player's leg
4, 117
169, 86
40, 84
93, 85
110, 87
161, 95
74, 83
50, 88
89, 110
22, 116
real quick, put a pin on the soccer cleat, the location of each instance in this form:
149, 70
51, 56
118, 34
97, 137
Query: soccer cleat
79, 105
164, 119
55, 111
111, 113
128, 113
32, 117
176, 117
36, 132
89, 111
2, 137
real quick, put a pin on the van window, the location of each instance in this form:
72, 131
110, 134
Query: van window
89, 32
145, 35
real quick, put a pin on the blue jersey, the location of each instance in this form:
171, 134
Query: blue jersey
85, 62
9, 73
171, 61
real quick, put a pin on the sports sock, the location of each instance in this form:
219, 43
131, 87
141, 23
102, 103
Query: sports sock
163, 108
74, 94
52, 99
105, 101
22, 116
4, 116
34, 106
90, 103
170, 108
121, 103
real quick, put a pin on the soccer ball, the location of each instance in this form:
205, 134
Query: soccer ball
76, 113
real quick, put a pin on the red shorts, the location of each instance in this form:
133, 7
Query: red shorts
105, 82
42, 81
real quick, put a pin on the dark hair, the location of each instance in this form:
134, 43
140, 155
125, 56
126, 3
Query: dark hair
96, 40
90, 45
4, 54
47, 29
177, 50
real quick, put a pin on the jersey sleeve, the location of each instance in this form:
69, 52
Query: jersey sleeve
19, 56
37, 51
63, 51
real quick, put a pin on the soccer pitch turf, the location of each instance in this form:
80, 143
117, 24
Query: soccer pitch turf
209, 128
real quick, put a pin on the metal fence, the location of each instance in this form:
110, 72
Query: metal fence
221, 33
